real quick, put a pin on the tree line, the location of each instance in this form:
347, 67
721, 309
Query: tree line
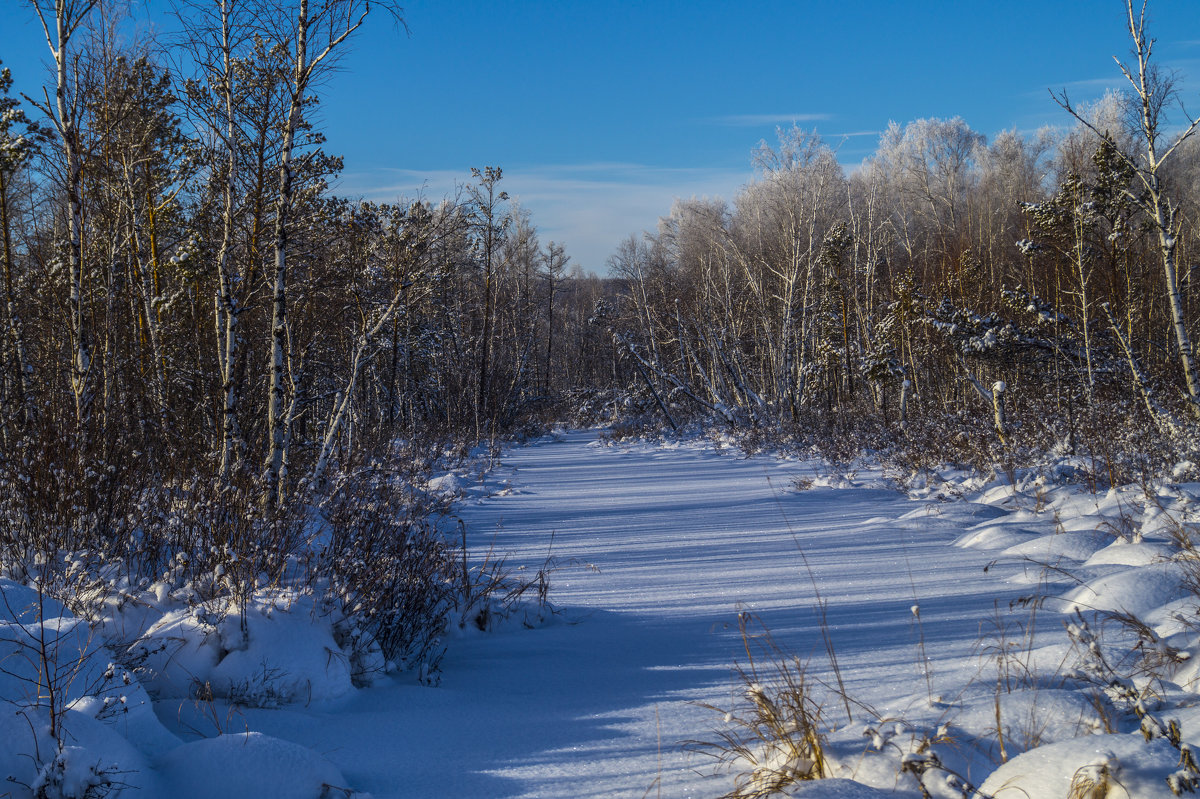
966, 298
217, 374
184, 295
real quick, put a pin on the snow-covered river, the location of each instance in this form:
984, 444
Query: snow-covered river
657, 548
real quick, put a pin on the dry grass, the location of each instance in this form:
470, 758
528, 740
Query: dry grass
1092, 782
774, 735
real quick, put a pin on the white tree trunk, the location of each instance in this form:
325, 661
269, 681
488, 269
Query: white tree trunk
227, 333
68, 17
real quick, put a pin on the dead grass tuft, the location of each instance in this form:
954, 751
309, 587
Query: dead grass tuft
774, 735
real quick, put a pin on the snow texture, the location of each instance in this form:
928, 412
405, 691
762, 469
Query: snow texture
944, 606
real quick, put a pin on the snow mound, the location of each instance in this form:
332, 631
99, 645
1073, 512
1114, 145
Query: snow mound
1028, 717
1139, 768
448, 484
836, 789
995, 536
282, 651
1136, 591
177, 653
961, 512
1121, 553
1089, 522
1079, 545
249, 764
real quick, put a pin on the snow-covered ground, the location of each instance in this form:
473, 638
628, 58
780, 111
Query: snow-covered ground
930, 602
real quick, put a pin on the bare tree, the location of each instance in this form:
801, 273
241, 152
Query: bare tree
314, 31
17, 138
555, 261
60, 21
1153, 91
216, 33
492, 224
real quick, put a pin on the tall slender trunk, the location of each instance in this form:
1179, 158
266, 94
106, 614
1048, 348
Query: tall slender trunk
276, 432
227, 333
1165, 225
81, 360
279, 321
1082, 272
549, 339
486, 345
1150, 89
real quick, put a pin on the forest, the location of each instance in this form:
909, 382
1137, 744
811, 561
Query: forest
188, 307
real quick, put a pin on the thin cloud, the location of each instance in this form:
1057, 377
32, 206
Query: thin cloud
588, 207
1113, 81
760, 120
1183, 72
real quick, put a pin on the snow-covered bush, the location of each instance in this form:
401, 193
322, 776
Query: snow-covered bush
390, 569
75, 723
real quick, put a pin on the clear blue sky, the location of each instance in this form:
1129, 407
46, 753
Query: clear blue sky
602, 112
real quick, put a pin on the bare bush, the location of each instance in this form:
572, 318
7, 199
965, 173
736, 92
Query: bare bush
390, 567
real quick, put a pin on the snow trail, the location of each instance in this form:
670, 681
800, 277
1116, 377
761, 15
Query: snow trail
681, 538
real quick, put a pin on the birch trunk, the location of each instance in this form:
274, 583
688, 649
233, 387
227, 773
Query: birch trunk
1153, 92
68, 16
276, 433
336, 20
227, 334
1147, 85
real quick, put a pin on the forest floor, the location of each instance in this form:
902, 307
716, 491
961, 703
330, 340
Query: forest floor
944, 606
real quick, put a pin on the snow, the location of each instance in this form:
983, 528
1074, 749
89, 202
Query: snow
837, 789
1137, 591
105, 716
248, 764
273, 653
994, 536
1073, 545
1140, 768
944, 607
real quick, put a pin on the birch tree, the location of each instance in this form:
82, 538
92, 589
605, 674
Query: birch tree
17, 141
491, 224
60, 21
314, 30
554, 263
1152, 93
217, 32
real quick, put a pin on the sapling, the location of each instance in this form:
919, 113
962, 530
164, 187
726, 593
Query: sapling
54, 655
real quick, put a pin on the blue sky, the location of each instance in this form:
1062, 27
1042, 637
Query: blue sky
602, 112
